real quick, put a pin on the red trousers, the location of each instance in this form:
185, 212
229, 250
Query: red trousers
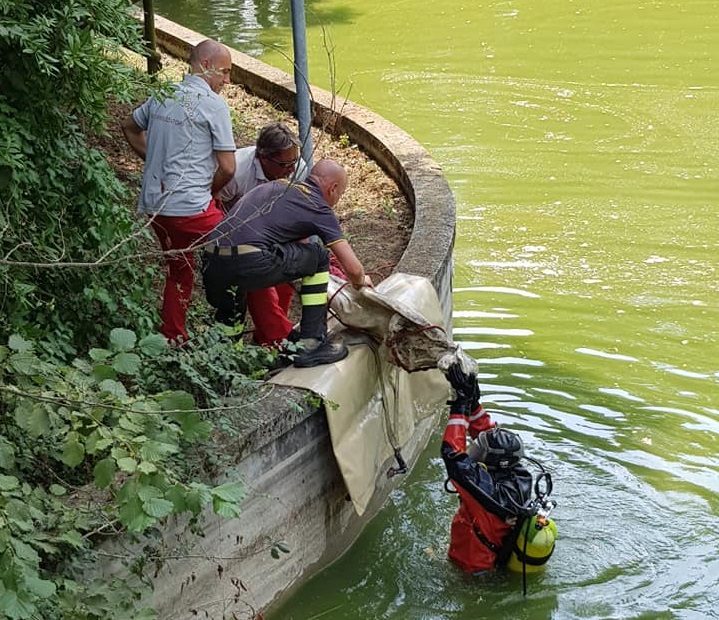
268, 308
180, 233
466, 549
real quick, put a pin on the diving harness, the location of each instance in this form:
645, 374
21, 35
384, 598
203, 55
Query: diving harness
498, 452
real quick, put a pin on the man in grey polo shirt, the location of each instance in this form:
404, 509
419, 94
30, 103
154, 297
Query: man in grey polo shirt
275, 155
187, 143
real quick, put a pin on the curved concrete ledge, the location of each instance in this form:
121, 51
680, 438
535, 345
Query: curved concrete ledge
281, 447
429, 252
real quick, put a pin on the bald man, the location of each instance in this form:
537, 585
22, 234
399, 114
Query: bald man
187, 143
261, 242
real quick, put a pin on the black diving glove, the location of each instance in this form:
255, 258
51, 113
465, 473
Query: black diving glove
466, 389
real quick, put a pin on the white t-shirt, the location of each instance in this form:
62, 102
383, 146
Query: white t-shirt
249, 174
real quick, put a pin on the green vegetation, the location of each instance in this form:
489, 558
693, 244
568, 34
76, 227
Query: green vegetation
86, 450
62, 205
103, 427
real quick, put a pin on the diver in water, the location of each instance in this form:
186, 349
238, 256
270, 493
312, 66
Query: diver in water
502, 518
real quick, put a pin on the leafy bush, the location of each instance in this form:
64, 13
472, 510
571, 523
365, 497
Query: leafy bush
109, 442
84, 452
62, 206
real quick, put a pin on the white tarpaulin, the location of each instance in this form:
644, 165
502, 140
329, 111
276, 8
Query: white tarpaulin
373, 406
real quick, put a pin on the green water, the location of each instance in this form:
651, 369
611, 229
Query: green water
581, 140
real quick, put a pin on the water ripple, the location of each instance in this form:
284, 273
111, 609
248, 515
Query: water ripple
605, 355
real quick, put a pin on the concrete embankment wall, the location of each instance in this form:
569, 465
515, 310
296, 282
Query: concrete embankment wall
281, 447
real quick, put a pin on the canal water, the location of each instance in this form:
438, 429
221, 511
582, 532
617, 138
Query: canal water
581, 140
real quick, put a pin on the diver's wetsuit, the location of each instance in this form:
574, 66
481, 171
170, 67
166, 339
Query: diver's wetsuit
477, 535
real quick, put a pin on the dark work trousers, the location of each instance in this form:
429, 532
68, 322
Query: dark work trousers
227, 278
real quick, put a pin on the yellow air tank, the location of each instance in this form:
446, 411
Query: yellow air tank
541, 535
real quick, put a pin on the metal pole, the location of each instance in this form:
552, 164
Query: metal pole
302, 81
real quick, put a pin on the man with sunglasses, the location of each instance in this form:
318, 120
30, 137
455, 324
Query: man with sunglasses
275, 155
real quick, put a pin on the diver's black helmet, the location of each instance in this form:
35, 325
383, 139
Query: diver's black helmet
497, 448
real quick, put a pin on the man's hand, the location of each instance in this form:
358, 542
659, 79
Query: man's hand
366, 281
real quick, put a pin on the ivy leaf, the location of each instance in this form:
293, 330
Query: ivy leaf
225, 509
99, 355
155, 451
229, 492
40, 587
145, 467
15, 607
73, 538
127, 363
103, 443
127, 464
197, 497
32, 418
103, 371
113, 387
104, 472
25, 363
176, 495
176, 401
91, 442
95, 442
122, 339
119, 453
20, 514
73, 451
19, 344
45, 547
82, 365
133, 517
199, 432
192, 426
153, 345
158, 507
146, 492
8, 483
129, 423
57, 490
7, 454
24, 551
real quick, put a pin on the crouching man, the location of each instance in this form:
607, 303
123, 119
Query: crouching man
262, 241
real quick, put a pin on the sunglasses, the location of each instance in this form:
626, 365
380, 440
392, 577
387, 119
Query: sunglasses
283, 164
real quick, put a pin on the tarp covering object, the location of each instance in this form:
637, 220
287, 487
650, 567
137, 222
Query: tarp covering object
374, 406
